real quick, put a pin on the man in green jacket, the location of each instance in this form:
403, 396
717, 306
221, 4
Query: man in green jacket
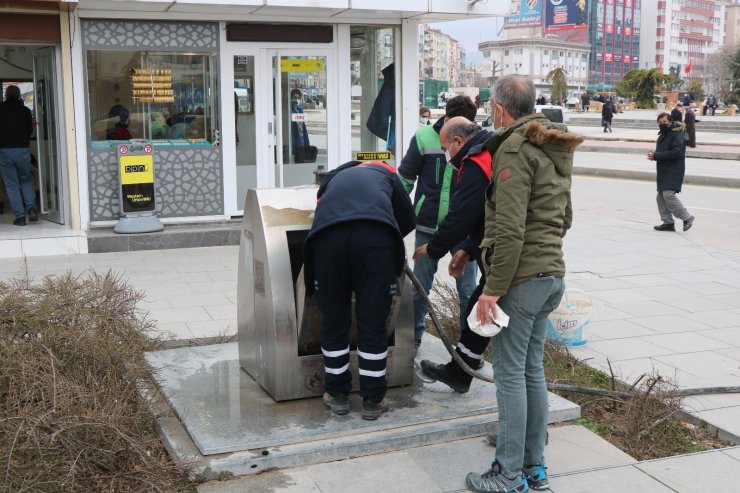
528, 211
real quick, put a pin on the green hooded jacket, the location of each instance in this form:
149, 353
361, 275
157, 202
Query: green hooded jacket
528, 207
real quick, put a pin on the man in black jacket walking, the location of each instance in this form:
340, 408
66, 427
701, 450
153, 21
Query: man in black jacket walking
16, 127
356, 246
670, 158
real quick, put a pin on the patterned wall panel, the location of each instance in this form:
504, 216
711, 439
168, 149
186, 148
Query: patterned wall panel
145, 35
189, 183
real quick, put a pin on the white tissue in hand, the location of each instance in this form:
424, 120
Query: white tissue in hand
489, 329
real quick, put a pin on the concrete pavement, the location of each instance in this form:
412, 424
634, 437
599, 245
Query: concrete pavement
661, 301
668, 302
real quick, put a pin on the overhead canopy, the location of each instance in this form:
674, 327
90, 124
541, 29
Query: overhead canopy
299, 10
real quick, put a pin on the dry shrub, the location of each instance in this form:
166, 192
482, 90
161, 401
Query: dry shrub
71, 364
646, 425
447, 307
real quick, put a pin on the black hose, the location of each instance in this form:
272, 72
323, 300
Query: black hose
550, 386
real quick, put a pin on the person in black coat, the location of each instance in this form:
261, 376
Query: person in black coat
355, 245
16, 127
690, 122
670, 158
607, 113
676, 114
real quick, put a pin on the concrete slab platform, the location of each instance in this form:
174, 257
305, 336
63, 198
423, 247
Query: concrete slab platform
226, 422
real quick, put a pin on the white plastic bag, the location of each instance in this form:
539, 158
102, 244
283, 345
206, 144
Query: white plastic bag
490, 329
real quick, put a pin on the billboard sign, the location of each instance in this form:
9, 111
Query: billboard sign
566, 15
524, 13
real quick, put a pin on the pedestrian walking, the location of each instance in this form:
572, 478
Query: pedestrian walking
690, 121
670, 165
607, 113
585, 102
355, 245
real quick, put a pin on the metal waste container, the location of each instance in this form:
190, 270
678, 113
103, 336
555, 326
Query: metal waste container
278, 325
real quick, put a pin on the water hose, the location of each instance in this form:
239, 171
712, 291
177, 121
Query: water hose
550, 386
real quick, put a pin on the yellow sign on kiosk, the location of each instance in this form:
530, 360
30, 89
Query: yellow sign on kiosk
302, 65
373, 155
137, 169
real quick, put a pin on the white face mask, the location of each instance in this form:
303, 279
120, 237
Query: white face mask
423, 120
447, 156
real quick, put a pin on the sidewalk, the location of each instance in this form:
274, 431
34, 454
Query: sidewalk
663, 302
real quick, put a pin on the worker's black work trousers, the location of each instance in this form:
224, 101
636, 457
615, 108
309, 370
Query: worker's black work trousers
359, 257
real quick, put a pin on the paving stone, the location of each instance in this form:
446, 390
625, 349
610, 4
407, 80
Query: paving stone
729, 335
634, 347
707, 364
647, 308
711, 471
733, 353
394, 472
685, 342
448, 463
617, 480
696, 304
291, 481
717, 319
170, 315
617, 329
593, 451
667, 324
733, 452
200, 299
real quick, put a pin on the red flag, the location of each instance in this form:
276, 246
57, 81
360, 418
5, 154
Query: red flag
688, 68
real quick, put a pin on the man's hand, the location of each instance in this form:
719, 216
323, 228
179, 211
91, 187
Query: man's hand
457, 264
422, 250
486, 305
650, 155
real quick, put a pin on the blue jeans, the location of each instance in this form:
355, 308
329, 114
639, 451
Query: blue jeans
520, 378
15, 165
424, 270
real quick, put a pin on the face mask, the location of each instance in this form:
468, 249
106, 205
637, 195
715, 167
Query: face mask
423, 120
447, 156
664, 127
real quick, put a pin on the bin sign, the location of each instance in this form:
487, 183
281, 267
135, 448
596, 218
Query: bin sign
136, 178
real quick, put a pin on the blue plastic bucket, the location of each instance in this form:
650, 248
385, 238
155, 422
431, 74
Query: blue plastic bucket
567, 324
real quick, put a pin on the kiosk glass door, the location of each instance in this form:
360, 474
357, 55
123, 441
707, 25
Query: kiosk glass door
47, 137
299, 102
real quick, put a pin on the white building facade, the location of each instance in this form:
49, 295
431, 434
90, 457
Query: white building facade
443, 57
536, 58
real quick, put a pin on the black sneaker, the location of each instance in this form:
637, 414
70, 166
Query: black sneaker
372, 410
688, 223
665, 227
33, 215
339, 404
442, 373
536, 477
492, 481
20, 221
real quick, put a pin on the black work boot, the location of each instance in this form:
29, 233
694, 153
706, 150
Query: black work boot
372, 410
339, 404
450, 374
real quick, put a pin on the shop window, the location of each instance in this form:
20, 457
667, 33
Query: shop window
374, 109
168, 98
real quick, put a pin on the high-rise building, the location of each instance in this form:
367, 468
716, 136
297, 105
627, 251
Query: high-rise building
442, 57
732, 26
678, 35
614, 34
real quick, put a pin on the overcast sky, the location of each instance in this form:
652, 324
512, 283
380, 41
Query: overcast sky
470, 32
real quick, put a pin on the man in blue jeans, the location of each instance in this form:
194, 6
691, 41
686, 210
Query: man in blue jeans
426, 165
527, 213
16, 127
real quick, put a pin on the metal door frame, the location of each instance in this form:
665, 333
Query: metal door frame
58, 215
